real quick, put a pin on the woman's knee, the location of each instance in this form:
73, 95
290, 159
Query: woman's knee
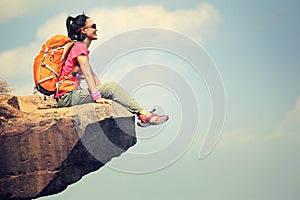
109, 88
112, 86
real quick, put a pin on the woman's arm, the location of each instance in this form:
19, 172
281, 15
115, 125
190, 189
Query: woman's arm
91, 79
87, 72
97, 80
84, 61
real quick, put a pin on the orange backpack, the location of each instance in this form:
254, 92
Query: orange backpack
49, 62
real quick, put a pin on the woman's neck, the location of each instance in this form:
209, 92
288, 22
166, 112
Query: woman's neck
87, 42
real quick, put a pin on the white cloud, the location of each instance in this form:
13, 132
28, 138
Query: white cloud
18, 8
16, 68
198, 23
51, 27
10, 10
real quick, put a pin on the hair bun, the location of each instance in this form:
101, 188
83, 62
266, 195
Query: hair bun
74, 25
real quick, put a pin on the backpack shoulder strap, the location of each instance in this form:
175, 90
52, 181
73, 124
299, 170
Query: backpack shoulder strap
67, 47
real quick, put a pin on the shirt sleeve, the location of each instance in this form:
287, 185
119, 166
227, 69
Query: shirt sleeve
79, 49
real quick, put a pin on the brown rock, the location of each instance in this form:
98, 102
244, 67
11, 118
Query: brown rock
44, 149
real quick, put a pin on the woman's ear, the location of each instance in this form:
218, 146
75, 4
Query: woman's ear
83, 30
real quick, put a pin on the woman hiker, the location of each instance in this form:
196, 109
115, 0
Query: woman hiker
83, 30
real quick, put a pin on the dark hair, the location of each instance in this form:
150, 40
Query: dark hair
74, 25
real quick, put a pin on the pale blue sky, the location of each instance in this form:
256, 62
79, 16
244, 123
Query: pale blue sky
255, 45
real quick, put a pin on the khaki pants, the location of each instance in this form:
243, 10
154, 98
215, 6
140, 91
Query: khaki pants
109, 90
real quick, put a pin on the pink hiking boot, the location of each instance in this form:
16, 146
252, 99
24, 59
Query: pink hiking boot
153, 119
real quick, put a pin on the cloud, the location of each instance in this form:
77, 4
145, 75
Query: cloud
10, 10
55, 25
16, 67
199, 23
18, 8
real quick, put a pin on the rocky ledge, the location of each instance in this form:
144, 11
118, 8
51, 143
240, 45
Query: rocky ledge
44, 149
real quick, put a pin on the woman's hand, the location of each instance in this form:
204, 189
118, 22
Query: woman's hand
104, 101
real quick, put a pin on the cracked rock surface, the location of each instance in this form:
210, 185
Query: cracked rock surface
44, 149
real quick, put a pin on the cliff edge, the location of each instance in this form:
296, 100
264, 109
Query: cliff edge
44, 149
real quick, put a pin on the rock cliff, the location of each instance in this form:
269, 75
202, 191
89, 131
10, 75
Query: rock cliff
45, 149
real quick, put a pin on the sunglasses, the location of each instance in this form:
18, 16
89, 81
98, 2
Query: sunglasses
91, 26
94, 26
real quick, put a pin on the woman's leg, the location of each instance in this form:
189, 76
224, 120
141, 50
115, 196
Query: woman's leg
75, 97
109, 91
116, 93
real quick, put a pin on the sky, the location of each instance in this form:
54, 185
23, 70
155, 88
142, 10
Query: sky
254, 46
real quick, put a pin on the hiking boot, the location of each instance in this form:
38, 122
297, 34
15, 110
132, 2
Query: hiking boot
153, 119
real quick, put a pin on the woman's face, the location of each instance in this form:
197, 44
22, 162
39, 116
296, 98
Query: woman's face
90, 29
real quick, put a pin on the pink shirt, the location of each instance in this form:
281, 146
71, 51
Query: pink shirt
71, 61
